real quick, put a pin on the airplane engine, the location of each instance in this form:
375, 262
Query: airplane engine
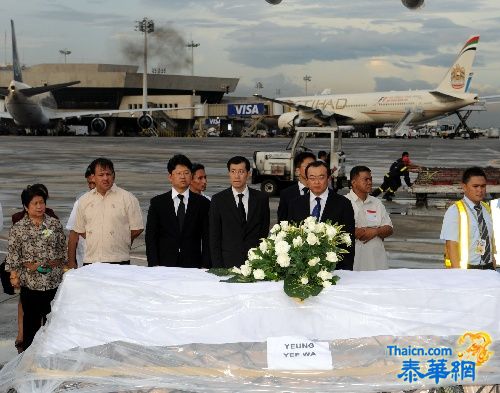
273, 2
288, 120
145, 121
98, 124
413, 4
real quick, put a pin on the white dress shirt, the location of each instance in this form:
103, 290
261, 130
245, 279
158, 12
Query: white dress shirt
369, 213
177, 201
312, 201
246, 195
450, 228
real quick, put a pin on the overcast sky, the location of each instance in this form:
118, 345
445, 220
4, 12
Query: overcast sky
343, 45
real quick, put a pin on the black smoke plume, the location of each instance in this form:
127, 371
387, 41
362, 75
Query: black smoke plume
166, 47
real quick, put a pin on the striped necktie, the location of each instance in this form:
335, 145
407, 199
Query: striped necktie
483, 231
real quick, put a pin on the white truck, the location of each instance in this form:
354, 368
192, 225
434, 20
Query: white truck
275, 170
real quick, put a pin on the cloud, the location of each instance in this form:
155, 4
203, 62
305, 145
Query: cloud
399, 84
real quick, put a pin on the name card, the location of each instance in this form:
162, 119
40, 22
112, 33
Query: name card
298, 353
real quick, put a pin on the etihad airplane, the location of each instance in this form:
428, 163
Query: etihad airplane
391, 107
35, 107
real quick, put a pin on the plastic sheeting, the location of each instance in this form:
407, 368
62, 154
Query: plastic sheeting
119, 328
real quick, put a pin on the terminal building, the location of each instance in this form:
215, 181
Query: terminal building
111, 86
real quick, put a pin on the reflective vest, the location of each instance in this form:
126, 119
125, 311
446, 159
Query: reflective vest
463, 234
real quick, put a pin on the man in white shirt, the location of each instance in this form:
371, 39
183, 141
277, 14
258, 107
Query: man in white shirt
74, 239
109, 218
467, 226
373, 223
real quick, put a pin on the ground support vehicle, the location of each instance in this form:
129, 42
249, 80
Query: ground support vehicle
275, 170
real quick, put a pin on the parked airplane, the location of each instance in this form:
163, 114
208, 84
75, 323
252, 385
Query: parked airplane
396, 107
35, 107
411, 4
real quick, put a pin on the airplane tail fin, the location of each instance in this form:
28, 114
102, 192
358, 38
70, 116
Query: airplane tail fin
458, 77
16, 66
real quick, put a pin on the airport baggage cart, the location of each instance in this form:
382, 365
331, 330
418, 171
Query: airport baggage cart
437, 180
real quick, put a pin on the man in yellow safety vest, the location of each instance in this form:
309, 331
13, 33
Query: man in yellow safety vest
467, 226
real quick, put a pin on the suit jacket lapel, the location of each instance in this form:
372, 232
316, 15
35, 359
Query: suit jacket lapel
170, 210
232, 205
252, 204
328, 207
191, 208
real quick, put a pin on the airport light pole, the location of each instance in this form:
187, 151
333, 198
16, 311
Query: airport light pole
307, 78
66, 53
192, 45
145, 26
259, 86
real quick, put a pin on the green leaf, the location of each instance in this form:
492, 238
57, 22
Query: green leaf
294, 288
220, 271
239, 279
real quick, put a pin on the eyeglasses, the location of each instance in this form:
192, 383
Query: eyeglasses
237, 172
317, 178
180, 174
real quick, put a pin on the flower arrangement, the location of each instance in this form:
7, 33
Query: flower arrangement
303, 256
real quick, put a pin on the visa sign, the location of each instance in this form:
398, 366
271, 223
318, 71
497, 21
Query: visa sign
245, 109
212, 122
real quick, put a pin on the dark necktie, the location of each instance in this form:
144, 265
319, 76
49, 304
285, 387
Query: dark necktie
181, 211
305, 191
317, 209
483, 232
241, 208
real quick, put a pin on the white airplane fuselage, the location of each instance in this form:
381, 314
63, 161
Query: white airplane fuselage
28, 111
385, 107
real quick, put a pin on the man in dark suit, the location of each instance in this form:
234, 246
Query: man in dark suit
300, 163
177, 226
325, 204
239, 217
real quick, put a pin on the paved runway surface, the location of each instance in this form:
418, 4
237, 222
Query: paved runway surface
140, 165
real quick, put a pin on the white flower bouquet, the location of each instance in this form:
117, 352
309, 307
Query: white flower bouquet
304, 256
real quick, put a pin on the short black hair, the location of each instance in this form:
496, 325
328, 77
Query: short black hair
88, 171
236, 160
405, 153
321, 153
32, 191
179, 159
355, 171
196, 167
473, 171
317, 164
300, 157
103, 163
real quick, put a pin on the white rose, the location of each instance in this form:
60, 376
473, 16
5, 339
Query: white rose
312, 239
324, 275
272, 236
319, 227
346, 239
284, 225
332, 256
304, 280
259, 274
280, 236
236, 270
283, 260
263, 246
297, 242
326, 284
331, 231
313, 261
275, 228
281, 247
252, 256
246, 270
311, 225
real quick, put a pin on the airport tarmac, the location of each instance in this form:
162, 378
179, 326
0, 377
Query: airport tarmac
140, 165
